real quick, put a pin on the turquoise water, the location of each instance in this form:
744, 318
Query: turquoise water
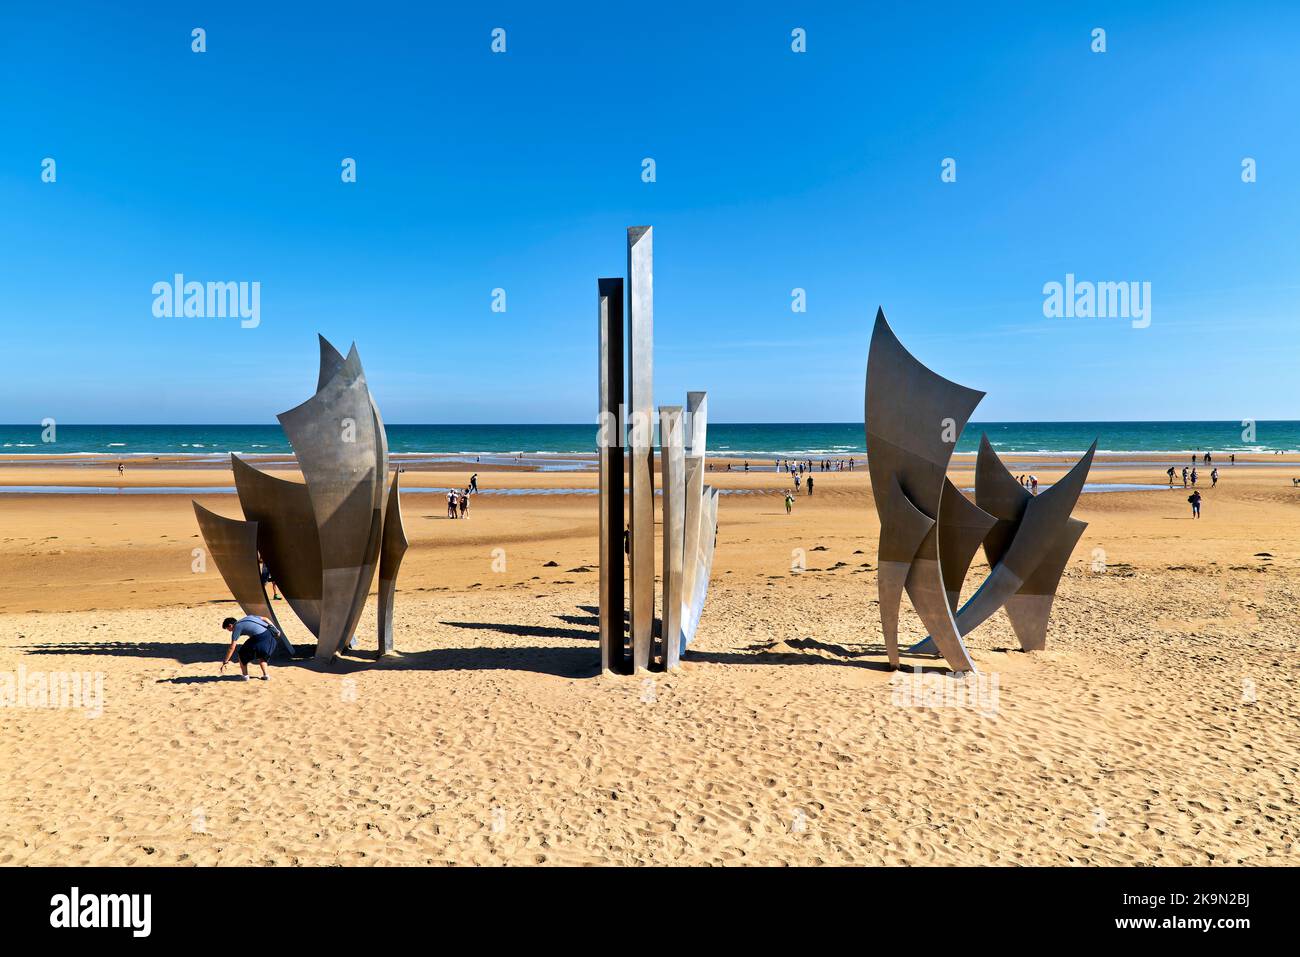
733, 439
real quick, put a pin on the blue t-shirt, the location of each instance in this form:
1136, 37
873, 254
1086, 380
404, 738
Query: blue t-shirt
250, 626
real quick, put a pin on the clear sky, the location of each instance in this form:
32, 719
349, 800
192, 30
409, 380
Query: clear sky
774, 170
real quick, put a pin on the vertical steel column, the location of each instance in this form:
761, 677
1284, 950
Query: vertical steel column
640, 364
673, 463
610, 438
696, 431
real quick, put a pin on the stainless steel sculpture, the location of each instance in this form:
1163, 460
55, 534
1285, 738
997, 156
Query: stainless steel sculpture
322, 540
609, 301
701, 529
913, 419
391, 551
641, 468
689, 506
703, 562
929, 531
673, 466
1029, 549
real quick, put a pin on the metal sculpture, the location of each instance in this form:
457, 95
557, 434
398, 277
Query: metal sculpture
689, 506
610, 450
673, 466
322, 538
929, 531
641, 467
391, 551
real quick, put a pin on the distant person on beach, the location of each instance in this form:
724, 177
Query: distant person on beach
746, 465
1233, 458
268, 580
810, 481
1195, 499
473, 483
259, 646
796, 481
1184, 476
1214, 477
850, 464
1033, 485
1193, 478
1170, 473
789, 501
464, 505
451, 503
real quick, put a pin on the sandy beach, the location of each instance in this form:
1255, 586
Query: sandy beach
1159, 726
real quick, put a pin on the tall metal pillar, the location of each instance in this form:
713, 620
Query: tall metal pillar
673, 464
640, 404
610, 438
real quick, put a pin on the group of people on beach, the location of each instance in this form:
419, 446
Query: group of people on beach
1030, 482
1190, 476
458, 502
801, 466
808, 465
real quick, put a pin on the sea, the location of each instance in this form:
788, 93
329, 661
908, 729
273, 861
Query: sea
725, 439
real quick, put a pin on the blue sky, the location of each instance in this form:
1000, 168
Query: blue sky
775, 170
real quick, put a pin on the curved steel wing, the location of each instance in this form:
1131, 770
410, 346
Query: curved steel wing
232, 544
334, 437
963, 525
331, 361
286, 536
1030, 608
913, 419
392, 548
1042, 529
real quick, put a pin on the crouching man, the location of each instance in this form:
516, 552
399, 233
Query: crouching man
259, 644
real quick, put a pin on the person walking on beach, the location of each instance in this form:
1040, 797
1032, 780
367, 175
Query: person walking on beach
473, 483
1214, 476
789, 501
1170, 473
1193, 477
810, 481
261, 635
1184, 476
464, 504
120, 469
451, 503
796, 481
850, 463
268, 580
1233, 458
1195, 499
